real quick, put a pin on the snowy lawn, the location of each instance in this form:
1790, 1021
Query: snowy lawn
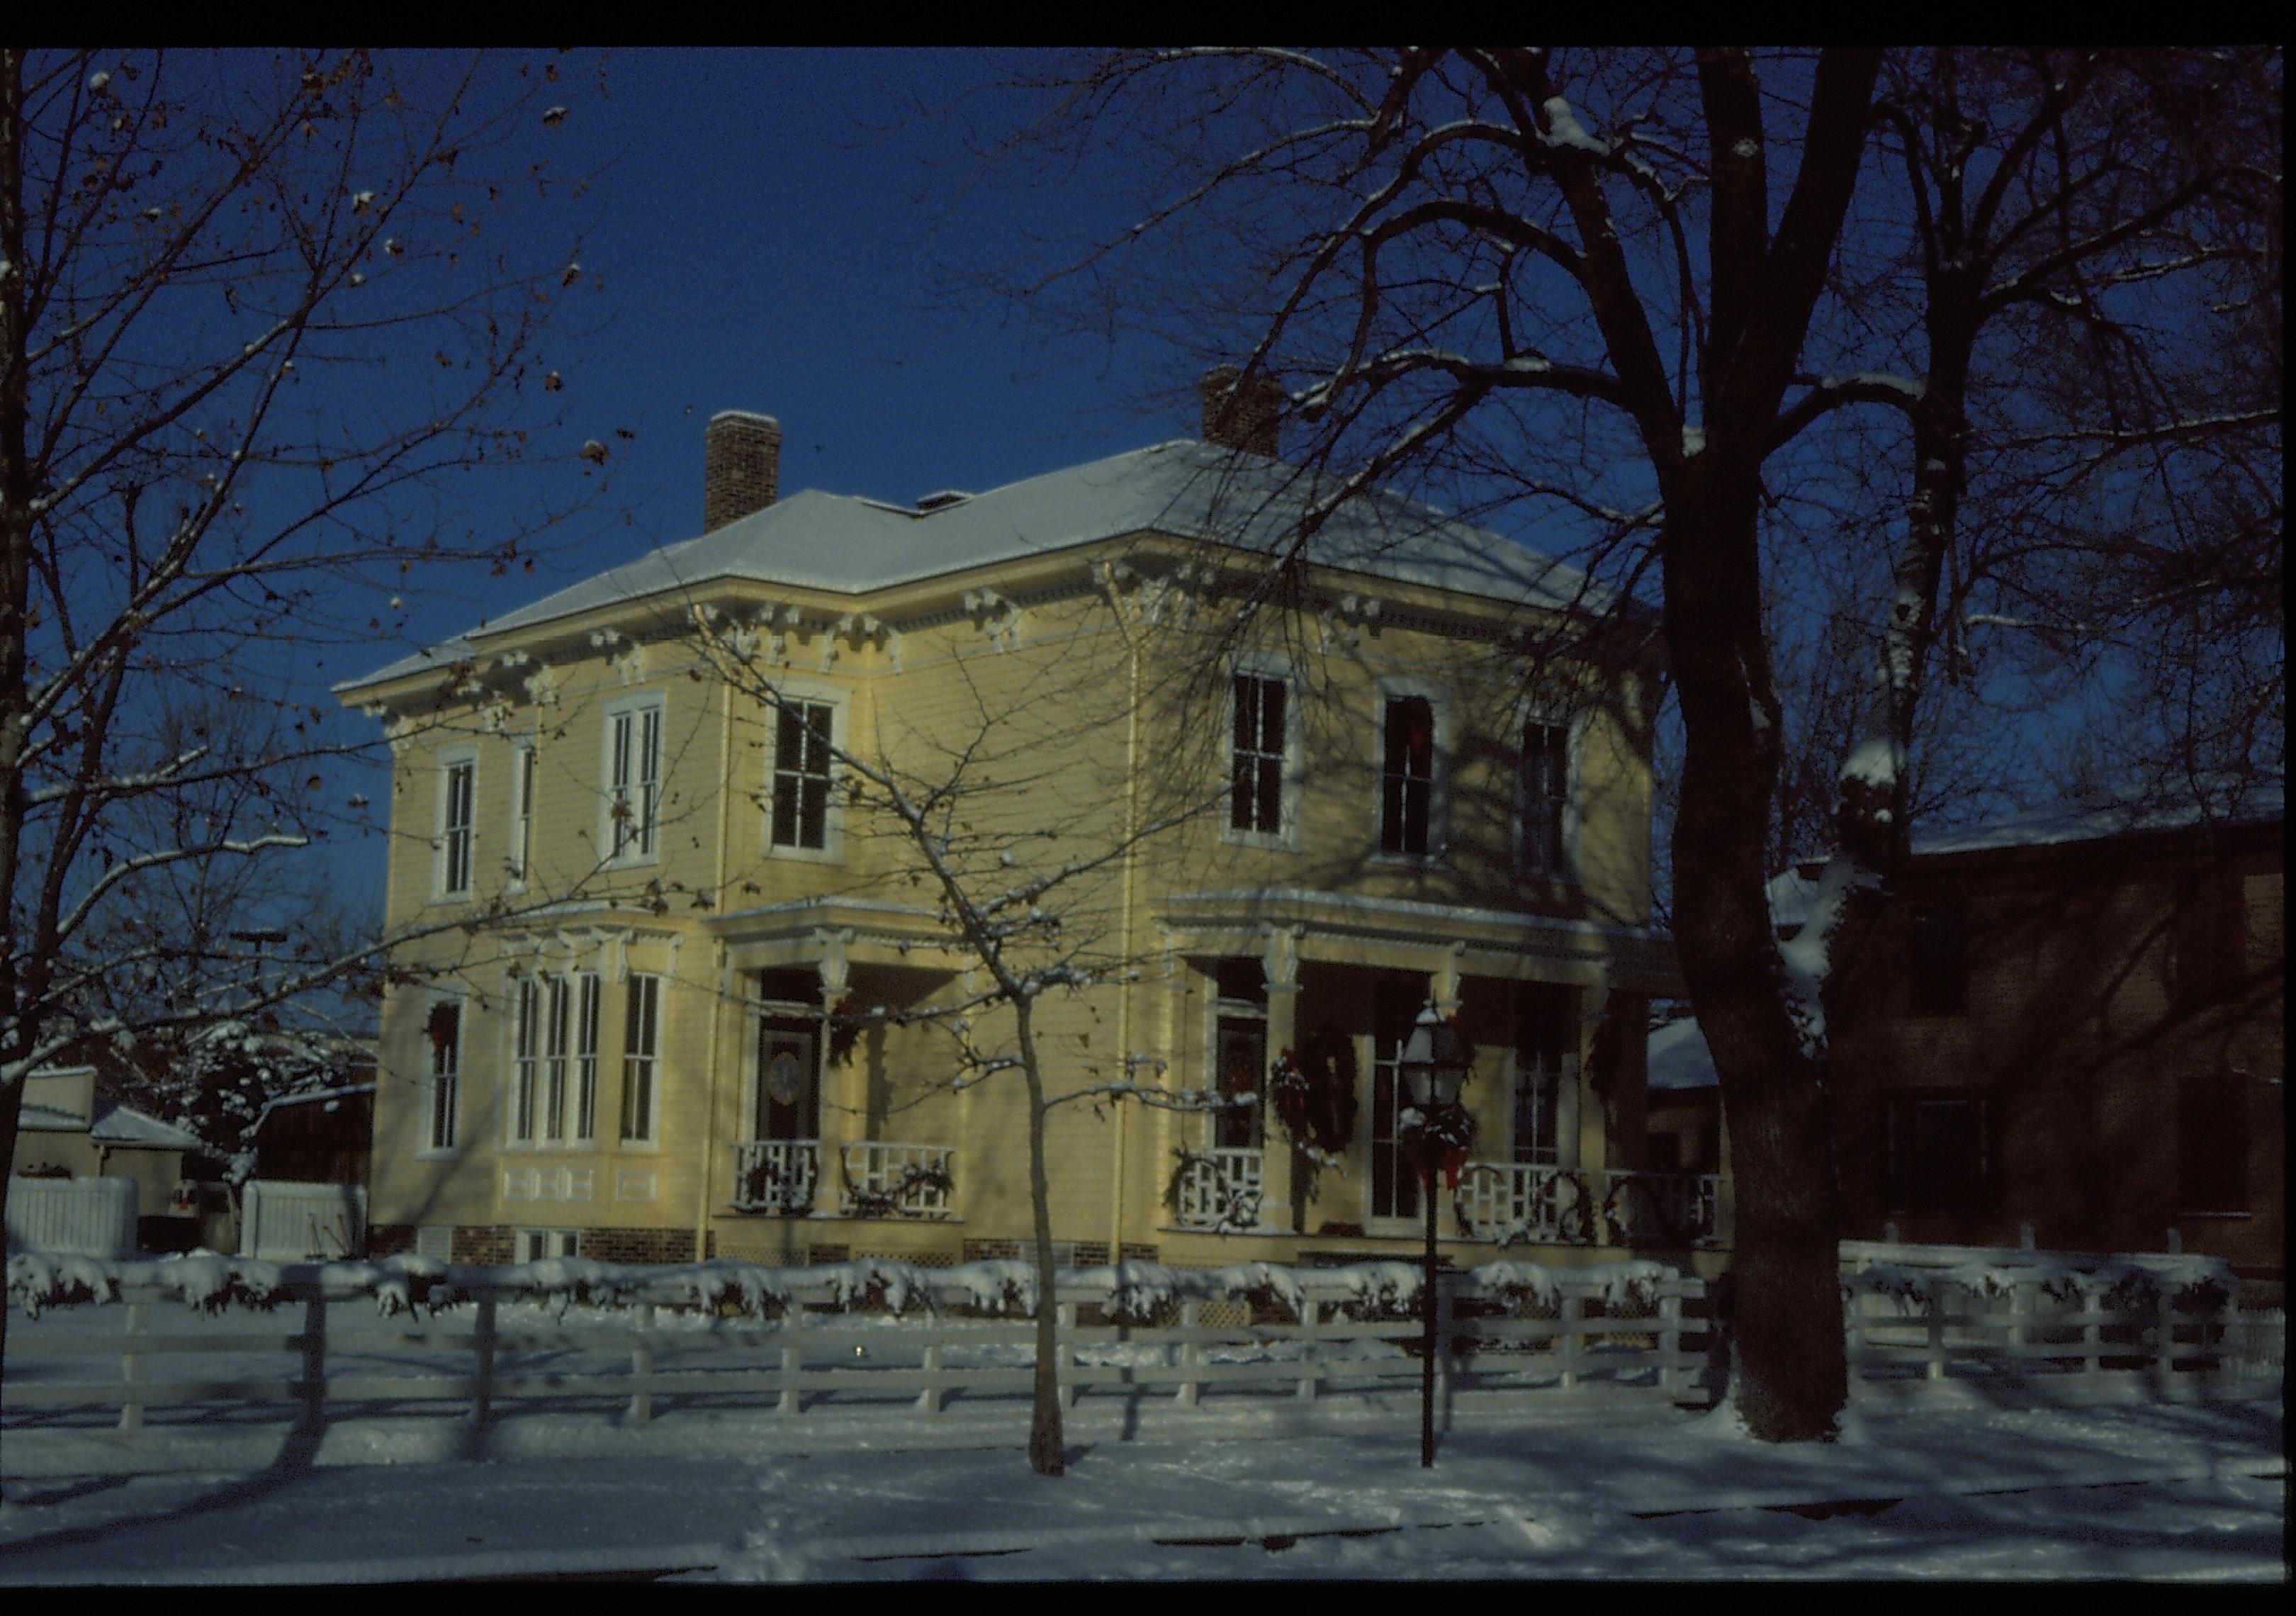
2142, 1492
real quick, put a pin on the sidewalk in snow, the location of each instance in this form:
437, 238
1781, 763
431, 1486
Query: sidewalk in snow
2124, 1492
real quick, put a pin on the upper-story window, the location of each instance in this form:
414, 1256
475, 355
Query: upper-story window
1409, 808
632, 790
458, 791
523, 768
1545, 799
442, 1070
1263, 799
2207, 941
1940, 960
803, 735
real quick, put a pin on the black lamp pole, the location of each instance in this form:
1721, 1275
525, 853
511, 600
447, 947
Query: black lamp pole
1427, 1305
1433, 1063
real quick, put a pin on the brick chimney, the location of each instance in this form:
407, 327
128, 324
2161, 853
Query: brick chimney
741, 466
1248, 419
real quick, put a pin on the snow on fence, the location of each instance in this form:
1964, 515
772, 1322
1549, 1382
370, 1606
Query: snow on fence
282, 1221
2037, 1323
869, 1336
86, 1217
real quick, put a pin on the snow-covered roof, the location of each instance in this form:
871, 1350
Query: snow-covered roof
851, 545
1679, 1059
124, 1125
2259, 802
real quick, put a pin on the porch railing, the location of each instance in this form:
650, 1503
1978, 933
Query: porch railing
885, 1180
775, 1175
1530, 1203
1219, 1188
1521, 1200
1667, 1208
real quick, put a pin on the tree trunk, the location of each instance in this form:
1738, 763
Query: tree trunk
1047, 1446
1791, 1368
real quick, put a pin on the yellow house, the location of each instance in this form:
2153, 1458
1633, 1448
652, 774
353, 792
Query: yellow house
679, 985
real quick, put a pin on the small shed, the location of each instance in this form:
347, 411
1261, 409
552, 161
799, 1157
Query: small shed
326, 1136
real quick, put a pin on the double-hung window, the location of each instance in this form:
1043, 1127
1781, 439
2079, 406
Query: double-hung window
1545, 799
458, 791
1259, 752
633, 779
522, 776
545, 1029
1941, 1152
802, 739
641, 1059
442, 1068
1409, 807
586, 1056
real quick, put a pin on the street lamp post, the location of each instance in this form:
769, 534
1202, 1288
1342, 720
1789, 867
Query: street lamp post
1433, 1064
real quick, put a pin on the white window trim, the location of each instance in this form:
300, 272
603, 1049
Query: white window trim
831, 849
650, 1140
1574, 749
539, 983
1215, 1010
1280, 670
449, 759
654, 701
518, 855
1439, 834
425, 1150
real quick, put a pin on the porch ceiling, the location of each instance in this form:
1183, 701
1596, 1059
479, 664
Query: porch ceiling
1340, 928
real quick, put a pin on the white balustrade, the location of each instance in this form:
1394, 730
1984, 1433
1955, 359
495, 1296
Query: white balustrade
775, 1175
884, 1180
1219, 1188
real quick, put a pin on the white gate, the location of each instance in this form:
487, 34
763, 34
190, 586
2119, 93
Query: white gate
281, 1221
72, 1217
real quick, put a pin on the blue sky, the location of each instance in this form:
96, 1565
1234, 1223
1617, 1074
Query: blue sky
778, 230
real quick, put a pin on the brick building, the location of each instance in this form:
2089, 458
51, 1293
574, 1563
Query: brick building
2078, 1029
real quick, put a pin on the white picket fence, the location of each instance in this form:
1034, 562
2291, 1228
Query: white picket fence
490, 1355
2020, 1323
85, 1216
281, 1220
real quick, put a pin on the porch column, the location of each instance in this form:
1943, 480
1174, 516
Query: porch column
836, 973
1282, 1191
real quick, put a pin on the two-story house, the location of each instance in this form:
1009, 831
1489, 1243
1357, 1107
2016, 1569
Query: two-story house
2076, 1032
673, 981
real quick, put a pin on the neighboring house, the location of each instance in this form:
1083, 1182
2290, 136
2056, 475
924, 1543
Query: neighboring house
643, 1024
326, 1136
2077, 1027
2074, 1032
67, 1131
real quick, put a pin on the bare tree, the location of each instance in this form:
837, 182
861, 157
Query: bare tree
1656, 302
251, 326
1024, 852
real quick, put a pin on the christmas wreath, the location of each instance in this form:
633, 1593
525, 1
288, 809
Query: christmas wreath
1314, 1093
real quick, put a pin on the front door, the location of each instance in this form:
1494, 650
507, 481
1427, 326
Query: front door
788, 1101
1396, 1002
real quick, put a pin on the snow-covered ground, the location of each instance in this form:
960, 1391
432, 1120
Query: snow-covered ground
2127, 1492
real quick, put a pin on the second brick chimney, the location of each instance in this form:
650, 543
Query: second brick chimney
741, 466
1246, 418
